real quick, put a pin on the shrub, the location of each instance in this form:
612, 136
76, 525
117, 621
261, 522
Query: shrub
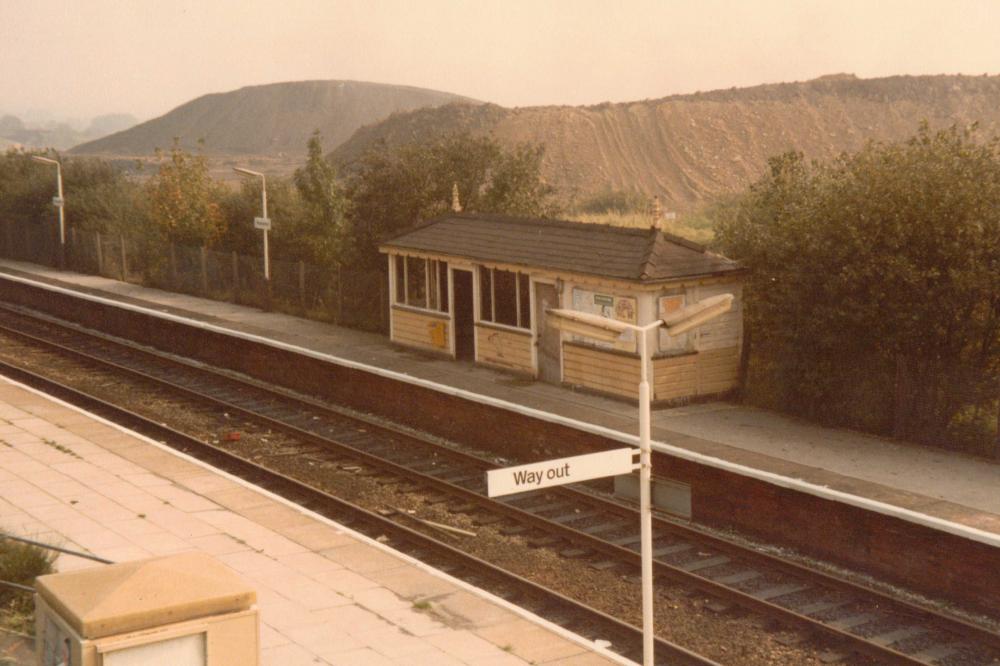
20, 563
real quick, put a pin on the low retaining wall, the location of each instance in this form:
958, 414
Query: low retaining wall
891, 549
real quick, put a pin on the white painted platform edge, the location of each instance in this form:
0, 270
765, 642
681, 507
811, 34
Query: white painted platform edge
503, 603
825, 492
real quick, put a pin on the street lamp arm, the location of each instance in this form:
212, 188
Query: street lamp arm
697, 314
248, 172
588, 324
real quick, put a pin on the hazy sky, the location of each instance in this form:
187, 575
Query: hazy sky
79, 58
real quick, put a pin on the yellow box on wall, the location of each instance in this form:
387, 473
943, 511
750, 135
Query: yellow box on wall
439, 333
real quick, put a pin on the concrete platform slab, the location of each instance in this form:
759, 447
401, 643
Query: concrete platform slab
327, 595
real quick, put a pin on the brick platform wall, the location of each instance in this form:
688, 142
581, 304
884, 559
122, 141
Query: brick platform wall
910, 555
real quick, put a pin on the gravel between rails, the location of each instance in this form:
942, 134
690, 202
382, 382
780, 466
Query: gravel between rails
731, 637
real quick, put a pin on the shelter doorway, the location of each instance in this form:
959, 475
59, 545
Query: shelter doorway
465, 331
548, 337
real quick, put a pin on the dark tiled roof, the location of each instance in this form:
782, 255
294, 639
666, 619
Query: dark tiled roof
643, 255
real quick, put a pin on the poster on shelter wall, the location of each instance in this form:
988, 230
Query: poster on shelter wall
625, 309
620, 308
672, 344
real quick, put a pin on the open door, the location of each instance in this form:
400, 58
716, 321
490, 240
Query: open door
465, 333
548, 340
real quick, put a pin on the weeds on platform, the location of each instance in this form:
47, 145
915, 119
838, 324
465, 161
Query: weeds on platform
20, 563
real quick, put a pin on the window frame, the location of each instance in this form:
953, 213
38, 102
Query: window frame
435, 301
520, 309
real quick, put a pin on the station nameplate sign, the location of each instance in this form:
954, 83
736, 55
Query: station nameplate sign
510, 480
262, 222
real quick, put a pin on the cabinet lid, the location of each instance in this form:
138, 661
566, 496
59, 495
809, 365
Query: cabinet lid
143, 594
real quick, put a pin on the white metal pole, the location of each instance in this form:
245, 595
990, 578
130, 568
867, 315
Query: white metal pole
645, 508
267, 259
62, 206
59, 203
267, 253
263, 194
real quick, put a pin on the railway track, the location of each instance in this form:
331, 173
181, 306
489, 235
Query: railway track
576, 523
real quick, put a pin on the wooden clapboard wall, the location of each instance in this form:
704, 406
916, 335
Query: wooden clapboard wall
600, 370
709, 367
416, 329
700, 373
504, 348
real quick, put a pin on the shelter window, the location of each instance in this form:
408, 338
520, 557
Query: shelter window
422, 283
504, 297
416, 282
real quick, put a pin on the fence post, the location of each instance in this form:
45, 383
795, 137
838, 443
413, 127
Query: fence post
340, 293
302, 284
901, 399
236, 277
100, 255
121, 239
203, 252
383, 307
996, 441
173, 266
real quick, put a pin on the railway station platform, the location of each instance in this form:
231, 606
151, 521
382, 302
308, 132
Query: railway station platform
326, 594
944, 485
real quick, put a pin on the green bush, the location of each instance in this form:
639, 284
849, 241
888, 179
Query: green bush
614, 201
872, 299
20, 563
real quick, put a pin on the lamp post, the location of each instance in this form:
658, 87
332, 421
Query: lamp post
263, 223
608, 330
59, 203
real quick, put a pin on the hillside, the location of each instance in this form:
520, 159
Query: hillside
271, 120
15, 133
687, 148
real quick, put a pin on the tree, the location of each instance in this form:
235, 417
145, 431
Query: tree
102, 197
392, 189
184, 199
320, 228
26, 189
875, 292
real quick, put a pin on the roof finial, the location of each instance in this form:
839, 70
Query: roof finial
657, 222
456, 205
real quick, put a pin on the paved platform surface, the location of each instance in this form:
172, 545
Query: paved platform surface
327, 596
942, 484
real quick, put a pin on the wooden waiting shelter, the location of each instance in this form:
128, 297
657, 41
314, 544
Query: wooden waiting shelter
476, 286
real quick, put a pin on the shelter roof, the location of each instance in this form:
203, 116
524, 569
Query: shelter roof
633, 254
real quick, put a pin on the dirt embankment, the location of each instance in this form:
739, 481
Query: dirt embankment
688, 148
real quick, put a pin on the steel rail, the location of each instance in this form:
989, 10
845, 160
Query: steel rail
703, 583
329, 505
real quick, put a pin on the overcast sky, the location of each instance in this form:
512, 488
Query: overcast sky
78, 58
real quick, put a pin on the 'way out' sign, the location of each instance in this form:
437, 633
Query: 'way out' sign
522, 478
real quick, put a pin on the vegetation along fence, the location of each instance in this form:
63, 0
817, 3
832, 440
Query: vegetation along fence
339, 294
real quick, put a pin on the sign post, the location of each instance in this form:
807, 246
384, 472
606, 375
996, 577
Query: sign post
609, 330
561, 471
59, 202
263, 223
